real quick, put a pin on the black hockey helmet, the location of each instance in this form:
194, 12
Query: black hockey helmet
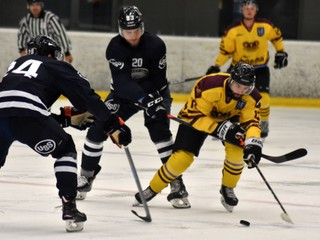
34, 1
244, 74
43, 45
130, 17
249, 2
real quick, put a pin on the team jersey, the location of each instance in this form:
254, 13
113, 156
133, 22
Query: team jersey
210, 104
137, 71
33, 83
249, 46
47, 24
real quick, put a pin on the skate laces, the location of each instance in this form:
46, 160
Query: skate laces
175, 186
83, 182
230, 193
147, 193
178, 189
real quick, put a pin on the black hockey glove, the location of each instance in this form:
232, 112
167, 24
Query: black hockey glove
153, 106
213, 69
229, 132
252, 152
280, 60
119, 133
70, 116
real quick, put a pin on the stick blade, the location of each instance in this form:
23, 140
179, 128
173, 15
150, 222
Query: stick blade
301, 152
146, 218
285, 217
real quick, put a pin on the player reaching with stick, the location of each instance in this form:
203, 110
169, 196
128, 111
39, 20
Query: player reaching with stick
30, 86
137, 60
247, 41
216, 101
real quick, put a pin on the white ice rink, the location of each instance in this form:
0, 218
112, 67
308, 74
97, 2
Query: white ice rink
29, 202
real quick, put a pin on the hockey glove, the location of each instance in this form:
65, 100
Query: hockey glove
280, 60
70, 116
213, 69
252, 152
153, 106
229, 132
119, 133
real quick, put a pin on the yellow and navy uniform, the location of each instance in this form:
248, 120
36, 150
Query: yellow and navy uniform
209, 104
251, 46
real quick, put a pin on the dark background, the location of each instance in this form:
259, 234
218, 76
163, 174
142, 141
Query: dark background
298, 19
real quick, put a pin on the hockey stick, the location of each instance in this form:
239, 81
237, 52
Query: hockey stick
301, 152
283, 215
185, 80
147, 218
115, 138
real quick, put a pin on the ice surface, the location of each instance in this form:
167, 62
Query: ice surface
29, 205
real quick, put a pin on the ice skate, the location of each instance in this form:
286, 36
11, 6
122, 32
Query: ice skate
178, 196
74, 219
148, 194
85, 184
228, 198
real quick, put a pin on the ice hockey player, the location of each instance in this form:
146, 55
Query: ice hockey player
137, 60
248, 41
215, 102
30, 86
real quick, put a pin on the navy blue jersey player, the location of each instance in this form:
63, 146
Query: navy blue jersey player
30, 86
137, 60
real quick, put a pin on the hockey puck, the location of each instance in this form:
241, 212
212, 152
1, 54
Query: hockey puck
245, 223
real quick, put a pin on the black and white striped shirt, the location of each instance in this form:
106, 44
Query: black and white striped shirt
46, 24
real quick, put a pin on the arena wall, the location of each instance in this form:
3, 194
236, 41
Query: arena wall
187, 57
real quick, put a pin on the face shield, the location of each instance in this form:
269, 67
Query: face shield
141, 29
238, 89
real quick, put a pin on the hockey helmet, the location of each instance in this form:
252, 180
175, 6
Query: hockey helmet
43, 46
249, 2
34, 1
130, 17
244, 74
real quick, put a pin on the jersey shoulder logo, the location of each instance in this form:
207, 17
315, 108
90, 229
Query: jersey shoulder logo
116, 64
163, 62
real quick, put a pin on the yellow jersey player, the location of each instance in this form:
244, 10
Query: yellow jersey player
247, 41
215, 102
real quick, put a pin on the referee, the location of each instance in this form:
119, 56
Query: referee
41, 22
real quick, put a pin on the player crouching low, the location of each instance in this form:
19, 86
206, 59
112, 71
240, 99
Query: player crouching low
225, 106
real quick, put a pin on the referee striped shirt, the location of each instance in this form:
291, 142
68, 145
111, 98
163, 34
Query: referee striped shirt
46, 24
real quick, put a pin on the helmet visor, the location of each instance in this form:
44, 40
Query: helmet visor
239, 88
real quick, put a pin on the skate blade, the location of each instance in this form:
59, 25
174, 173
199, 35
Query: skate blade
136, 203
72, 226
180, 203
81, 195
228, 207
